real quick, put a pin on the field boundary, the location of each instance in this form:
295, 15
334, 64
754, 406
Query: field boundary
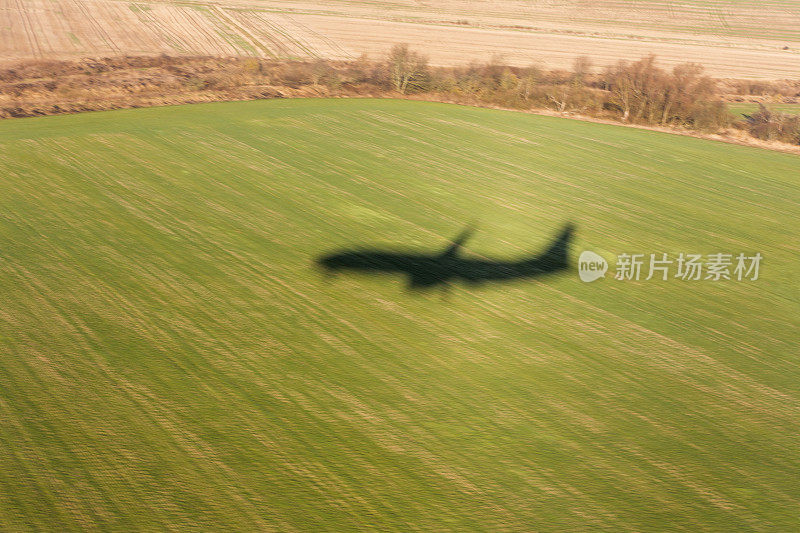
38, 88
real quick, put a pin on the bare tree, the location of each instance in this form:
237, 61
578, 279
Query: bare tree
559, 95
619, 83
530, 78
407, 69
581, 68
772, 126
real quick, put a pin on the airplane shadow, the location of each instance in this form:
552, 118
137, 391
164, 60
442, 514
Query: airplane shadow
428, 270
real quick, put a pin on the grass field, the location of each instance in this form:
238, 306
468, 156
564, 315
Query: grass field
171, 359
747, 108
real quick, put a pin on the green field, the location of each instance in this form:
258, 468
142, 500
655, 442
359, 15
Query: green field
171, 358
748, 108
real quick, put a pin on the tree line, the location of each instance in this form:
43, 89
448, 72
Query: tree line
636, 92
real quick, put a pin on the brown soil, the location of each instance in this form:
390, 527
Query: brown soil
732, 39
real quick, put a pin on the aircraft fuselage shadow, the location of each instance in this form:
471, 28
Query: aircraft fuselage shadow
440, 269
